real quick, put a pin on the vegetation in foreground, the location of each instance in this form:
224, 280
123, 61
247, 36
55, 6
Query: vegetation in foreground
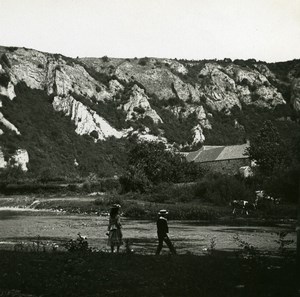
102, 274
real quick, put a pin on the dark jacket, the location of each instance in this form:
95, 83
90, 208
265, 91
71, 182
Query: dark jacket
162, 226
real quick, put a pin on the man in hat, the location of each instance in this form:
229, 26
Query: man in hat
162, 232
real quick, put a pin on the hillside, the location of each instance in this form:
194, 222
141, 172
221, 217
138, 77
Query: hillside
71, 117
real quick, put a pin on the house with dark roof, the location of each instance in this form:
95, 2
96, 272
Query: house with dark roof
223, 159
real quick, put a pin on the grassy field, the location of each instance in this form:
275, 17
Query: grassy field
103, 274
135, 206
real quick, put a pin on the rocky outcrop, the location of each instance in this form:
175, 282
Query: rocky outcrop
45, 71
8, 124
175, 65
226, 87
147, 136
3, 163
158, 80
189, 109
138, 106
86, 120
28, 66
198, 136
9, 92
20, 159
264, 70
295, 93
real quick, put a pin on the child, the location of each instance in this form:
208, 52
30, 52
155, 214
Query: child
162, 232
114, 228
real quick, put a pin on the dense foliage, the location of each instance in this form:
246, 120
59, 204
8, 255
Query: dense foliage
278, 162
151, 163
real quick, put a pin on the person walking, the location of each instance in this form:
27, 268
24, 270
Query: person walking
162, 232
114, 231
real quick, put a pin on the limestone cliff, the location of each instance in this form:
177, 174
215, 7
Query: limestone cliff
181, 101
138, 106
85, 119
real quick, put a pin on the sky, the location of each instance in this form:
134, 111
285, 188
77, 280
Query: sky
267, 30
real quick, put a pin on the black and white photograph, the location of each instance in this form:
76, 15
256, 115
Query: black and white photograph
149, 148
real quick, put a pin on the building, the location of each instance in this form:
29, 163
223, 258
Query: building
223, 159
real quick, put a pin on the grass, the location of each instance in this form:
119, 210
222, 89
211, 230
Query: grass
101, 274
134, 207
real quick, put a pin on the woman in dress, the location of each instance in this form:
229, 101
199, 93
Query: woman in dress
114, 228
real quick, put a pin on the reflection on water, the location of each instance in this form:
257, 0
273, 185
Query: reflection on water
25, 226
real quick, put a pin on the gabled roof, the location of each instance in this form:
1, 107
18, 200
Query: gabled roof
218, 153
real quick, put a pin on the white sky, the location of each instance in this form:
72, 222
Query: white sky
266, 30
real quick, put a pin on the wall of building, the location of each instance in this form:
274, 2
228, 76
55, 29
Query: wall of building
230, 167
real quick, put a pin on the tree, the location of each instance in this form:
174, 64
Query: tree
267, 149
151, 163
278, 168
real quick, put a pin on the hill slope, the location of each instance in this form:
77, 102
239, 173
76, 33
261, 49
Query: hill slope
74, 116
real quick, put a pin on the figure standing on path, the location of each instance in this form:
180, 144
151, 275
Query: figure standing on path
114, 231
162, 232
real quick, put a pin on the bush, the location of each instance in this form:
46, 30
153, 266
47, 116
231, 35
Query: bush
78, 245
4, 79
221, 189
171, 193
110, 185
134, 180
143, 61
105, 59
4, 61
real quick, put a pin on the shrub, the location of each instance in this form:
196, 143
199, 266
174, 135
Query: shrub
94, 134
143, 61
134, 180
78, 245
110, 185
221, 189
139, 109
12, 48
135, 211
4, 79
5, 61
105, 59
168, 192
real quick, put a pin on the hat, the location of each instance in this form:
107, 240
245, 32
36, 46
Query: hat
163, 212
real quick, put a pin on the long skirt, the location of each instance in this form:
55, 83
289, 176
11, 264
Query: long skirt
115, 237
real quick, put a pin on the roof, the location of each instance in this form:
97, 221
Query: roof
218, 153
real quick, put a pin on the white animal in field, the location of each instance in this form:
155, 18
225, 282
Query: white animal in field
243, 206
264, 199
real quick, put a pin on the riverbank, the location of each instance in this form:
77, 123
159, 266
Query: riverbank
101, 274
135, 207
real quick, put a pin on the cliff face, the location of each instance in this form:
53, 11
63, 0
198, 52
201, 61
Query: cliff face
177, 101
